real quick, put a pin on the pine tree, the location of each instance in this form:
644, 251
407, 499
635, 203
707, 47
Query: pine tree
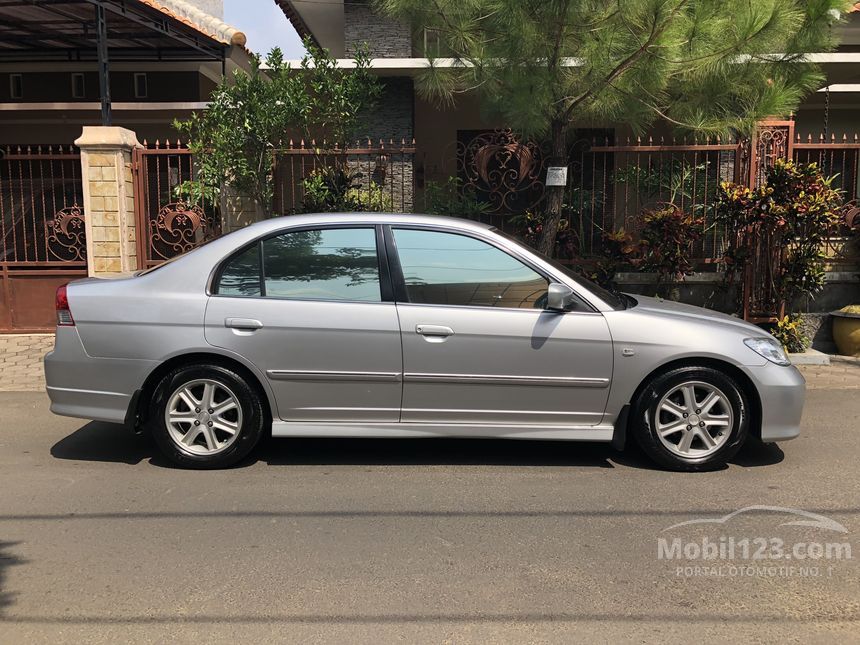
546, 66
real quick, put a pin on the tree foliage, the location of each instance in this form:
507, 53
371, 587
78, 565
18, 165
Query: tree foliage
711, 66
235, 140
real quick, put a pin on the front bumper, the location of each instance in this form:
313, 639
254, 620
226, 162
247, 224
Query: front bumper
80, 385
782, 391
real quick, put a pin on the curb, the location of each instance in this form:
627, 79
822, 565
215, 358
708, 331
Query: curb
810, 357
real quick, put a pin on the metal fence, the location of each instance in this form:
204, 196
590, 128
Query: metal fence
42, 233
611, 183
611, 186
380, 173
169, 222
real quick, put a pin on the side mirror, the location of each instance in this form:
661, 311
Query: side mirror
559, 297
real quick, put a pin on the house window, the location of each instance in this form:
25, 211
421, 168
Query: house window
78, 86
432, 47
16, 86
140, 86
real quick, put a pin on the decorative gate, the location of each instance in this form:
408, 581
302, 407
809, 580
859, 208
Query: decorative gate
761, 303
42, 235
169, 222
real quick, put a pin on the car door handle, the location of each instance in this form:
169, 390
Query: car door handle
245, 324
434, 330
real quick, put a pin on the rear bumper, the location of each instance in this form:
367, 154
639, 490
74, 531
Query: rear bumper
782, 391
90, 388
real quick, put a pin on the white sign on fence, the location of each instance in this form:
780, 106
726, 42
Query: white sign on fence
556, 176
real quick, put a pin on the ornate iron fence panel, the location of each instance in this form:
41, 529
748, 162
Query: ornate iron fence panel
772, 140
168, 222
502, 170
42, 232
41, 205
380, 173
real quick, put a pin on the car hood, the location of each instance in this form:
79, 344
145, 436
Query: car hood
671, 309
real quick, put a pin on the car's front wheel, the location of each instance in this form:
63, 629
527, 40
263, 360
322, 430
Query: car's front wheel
205, 416
691, 418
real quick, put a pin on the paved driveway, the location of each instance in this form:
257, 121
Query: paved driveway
420, 541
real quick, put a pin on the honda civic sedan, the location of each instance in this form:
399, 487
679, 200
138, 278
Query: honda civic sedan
369, 325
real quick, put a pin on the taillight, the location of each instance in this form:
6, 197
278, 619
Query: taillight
64, 314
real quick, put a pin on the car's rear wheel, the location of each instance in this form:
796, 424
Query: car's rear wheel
691, 418
205, 416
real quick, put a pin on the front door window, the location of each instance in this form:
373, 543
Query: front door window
450, 269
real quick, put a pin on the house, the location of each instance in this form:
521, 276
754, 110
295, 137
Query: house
160, 61
443, 134
66, 64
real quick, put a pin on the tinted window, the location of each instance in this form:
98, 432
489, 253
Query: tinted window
614, 300
241, 274
450, 269
324, 264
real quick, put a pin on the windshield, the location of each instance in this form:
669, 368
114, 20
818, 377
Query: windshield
614, 300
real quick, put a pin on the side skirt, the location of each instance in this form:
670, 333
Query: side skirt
428, 430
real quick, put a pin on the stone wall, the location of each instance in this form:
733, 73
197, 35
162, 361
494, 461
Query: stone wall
238, 211
393, 117
21, 361
385, 37
393, 120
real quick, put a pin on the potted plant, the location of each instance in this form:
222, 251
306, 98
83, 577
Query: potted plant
846, 321
846, 330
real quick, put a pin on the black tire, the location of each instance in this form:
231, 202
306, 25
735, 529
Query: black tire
644, 412
249, 432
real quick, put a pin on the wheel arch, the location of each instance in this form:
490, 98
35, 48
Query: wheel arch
724, 366
141, 402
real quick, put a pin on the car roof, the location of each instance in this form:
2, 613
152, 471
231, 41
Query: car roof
276, 223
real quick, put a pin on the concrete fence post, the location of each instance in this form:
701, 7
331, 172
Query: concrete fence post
106, 169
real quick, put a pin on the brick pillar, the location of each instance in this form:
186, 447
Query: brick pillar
108, 199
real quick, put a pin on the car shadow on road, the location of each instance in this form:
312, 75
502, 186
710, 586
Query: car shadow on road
106, 442
478, 452
435, 452
753, 453
757, 453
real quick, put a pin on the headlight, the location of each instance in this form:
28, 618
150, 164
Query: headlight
769, 348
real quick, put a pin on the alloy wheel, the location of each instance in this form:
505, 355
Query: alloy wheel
203, 417
694, 419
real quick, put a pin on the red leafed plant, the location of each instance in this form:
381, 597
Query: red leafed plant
666, 243
792, 214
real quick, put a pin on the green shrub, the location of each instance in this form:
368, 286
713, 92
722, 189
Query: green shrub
789, 332
452, 198
334, 189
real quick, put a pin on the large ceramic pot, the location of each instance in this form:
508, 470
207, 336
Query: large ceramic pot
846, 330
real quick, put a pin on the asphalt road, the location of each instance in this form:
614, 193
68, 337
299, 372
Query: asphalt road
418, 541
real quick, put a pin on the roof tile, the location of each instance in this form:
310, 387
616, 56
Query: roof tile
199, 20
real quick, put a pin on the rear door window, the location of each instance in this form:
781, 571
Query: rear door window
317, 264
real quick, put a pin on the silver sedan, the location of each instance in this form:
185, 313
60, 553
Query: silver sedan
368, 325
